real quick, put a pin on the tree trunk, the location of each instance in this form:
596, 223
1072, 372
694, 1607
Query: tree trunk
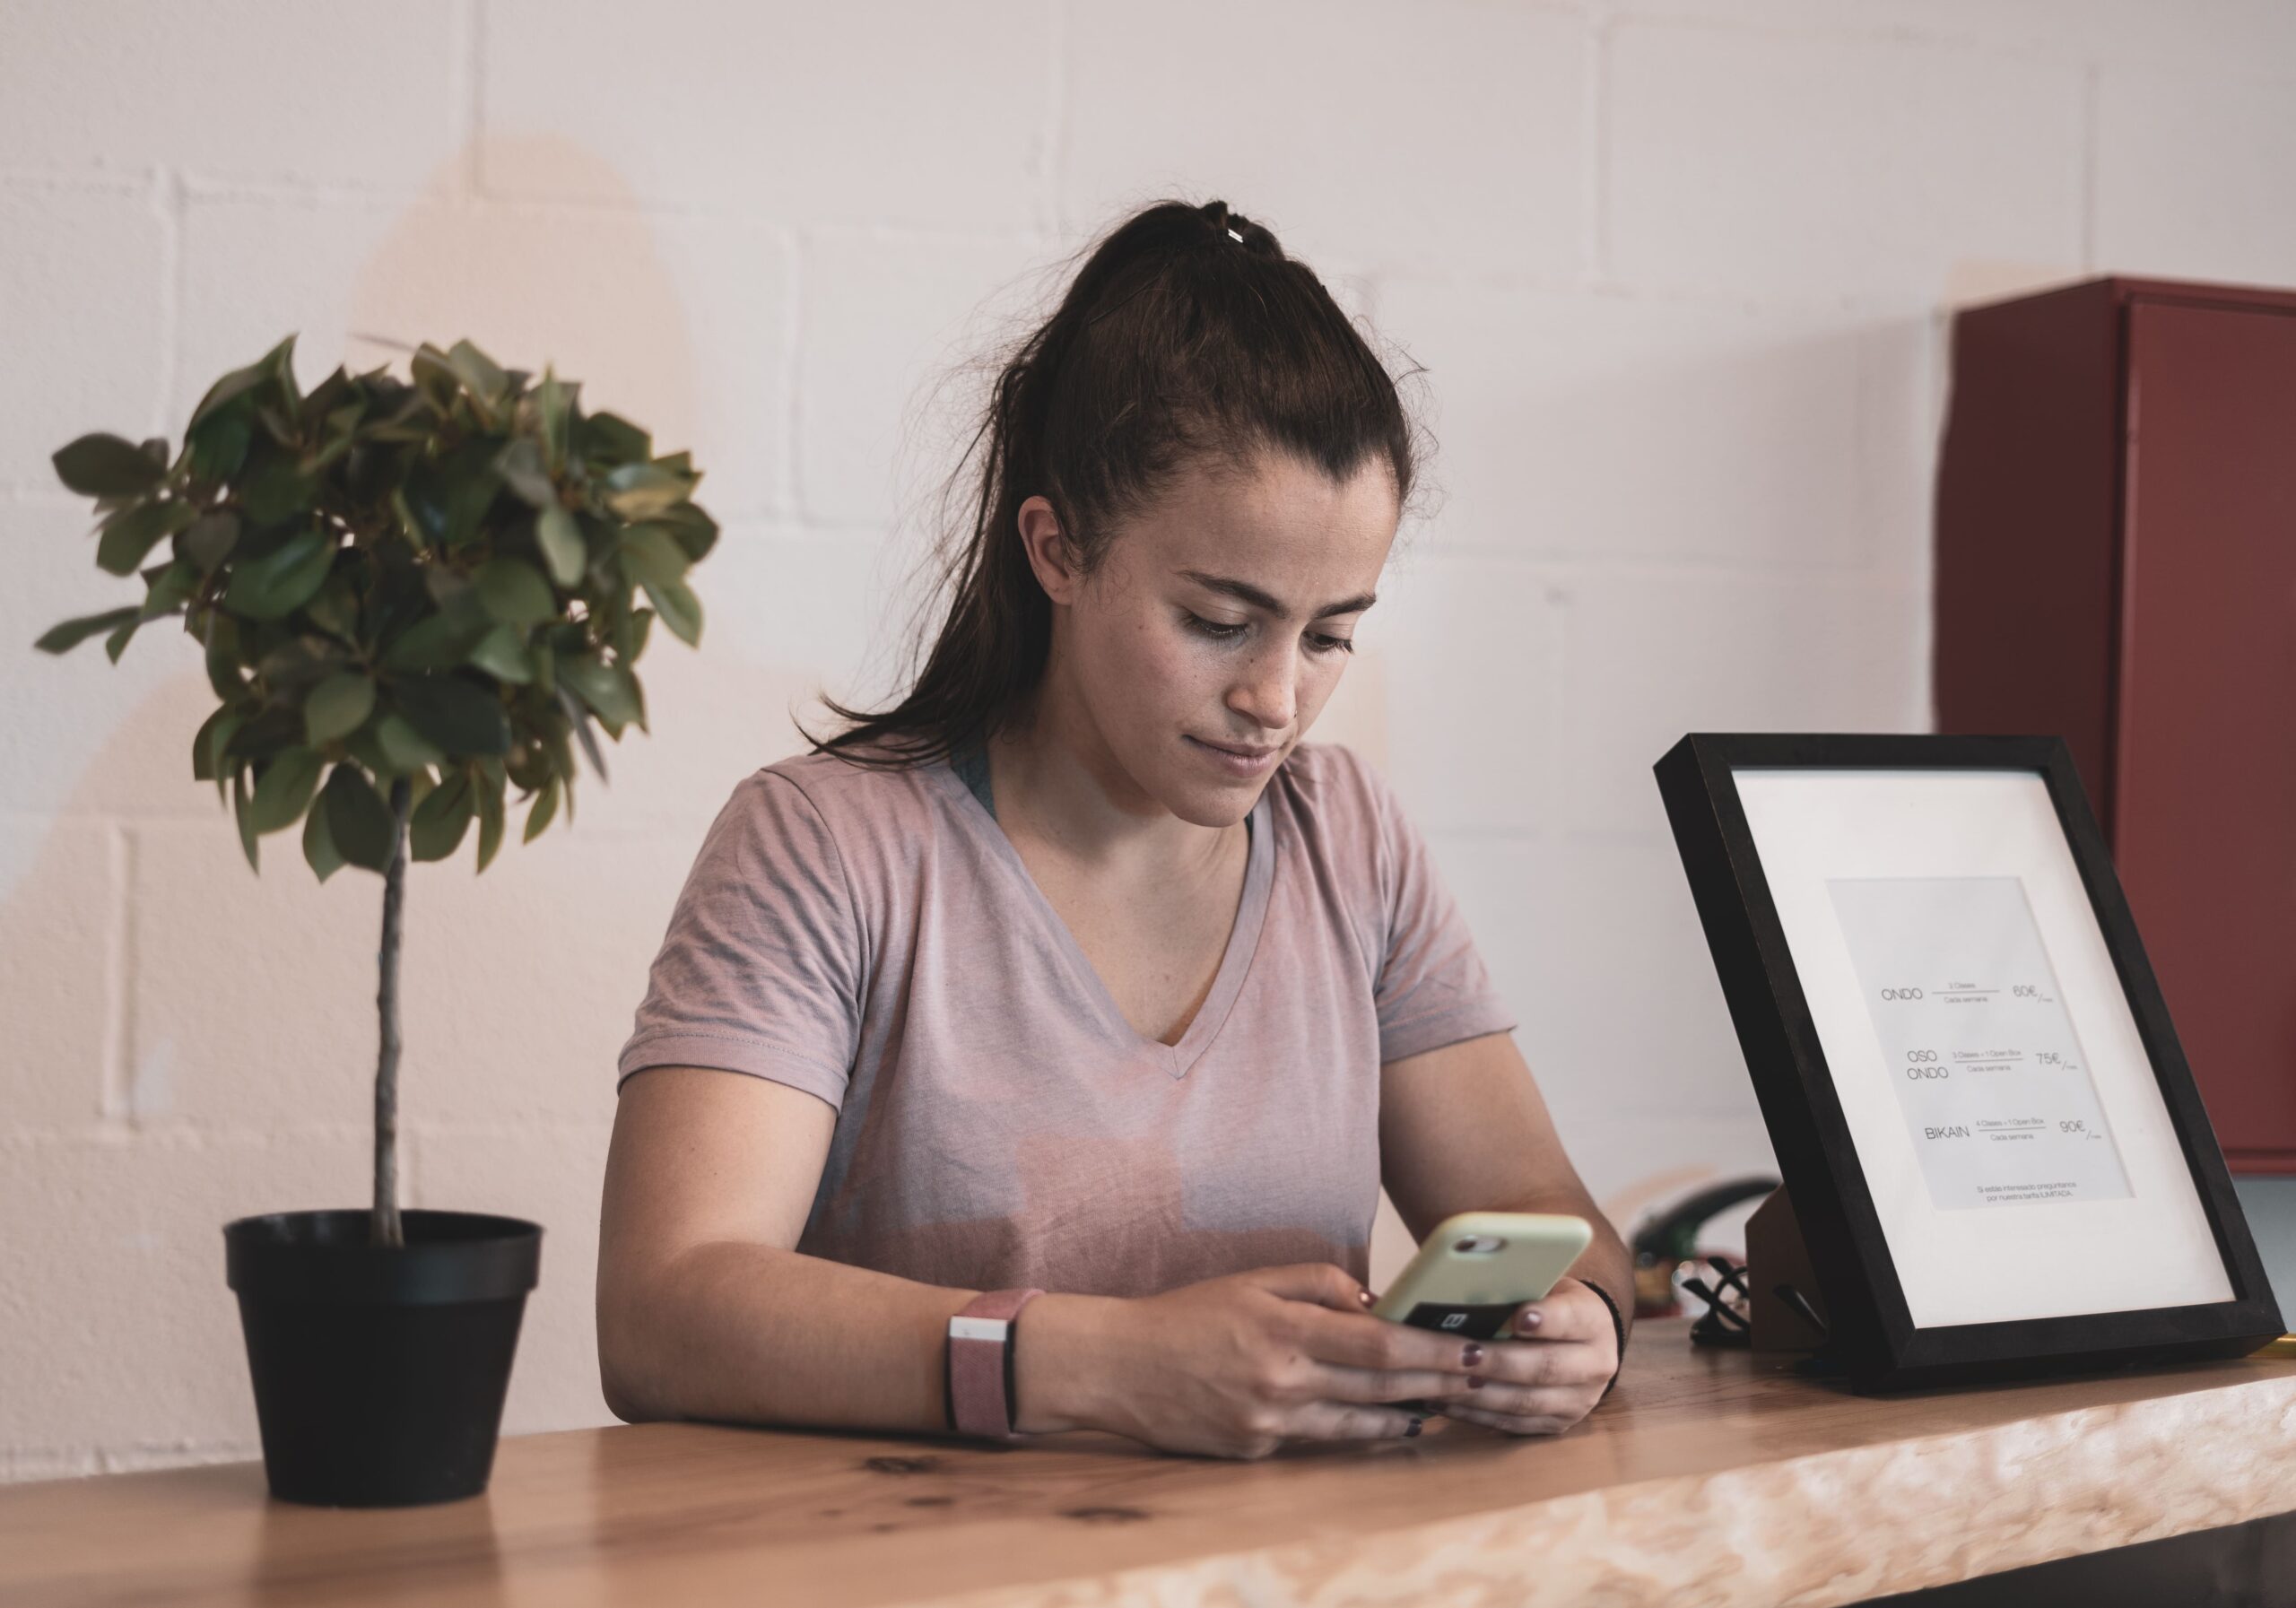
383, 1222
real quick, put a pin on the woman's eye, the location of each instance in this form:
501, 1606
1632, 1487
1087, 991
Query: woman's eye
1319, 642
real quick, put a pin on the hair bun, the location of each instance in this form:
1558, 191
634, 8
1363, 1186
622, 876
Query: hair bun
1234, 228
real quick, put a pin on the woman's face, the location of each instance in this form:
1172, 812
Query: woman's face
1202, 650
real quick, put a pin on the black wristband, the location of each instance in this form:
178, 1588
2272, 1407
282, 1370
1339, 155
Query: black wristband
1012, 1344
1618, 1327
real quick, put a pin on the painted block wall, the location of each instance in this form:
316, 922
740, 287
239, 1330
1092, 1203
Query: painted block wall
1677, 271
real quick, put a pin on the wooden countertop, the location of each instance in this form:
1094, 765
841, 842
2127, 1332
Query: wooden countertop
1708, 1478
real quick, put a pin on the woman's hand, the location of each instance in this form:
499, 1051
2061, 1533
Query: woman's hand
1548, 1367
1234, 1366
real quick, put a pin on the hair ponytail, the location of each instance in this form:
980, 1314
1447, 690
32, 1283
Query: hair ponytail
1186, 333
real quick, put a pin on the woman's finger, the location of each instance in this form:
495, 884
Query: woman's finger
1568, 1362
1331, 1382
1349, 1421
1566, 1402
1569, 1311
1359, 1340
1513, 1423
1314, 1283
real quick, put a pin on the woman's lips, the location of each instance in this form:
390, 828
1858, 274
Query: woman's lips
1235, 763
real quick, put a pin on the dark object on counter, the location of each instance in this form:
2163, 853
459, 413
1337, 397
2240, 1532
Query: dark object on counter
1671, 1238
379, 1371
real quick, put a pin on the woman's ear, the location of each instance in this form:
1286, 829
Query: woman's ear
1046, 547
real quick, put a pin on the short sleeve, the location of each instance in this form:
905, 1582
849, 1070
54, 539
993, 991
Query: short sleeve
1433, 988
762, 968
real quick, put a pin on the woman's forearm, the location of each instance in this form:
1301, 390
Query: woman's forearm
753, 1333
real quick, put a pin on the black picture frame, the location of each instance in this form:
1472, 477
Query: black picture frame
1872, 1338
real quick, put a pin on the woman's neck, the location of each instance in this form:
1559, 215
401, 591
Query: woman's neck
1057, 782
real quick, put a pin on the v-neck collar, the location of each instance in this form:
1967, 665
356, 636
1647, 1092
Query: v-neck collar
1243, 937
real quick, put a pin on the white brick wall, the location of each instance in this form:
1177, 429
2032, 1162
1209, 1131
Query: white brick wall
1678, 268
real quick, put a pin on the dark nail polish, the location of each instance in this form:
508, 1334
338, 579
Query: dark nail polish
1472, 1355
1415, 1424
1474, 1381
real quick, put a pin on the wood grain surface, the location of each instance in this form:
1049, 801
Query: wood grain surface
1708, 1478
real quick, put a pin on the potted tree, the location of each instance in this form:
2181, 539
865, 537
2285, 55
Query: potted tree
412, 596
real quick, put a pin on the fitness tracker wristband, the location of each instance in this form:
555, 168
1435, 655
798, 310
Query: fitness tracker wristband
977, 1364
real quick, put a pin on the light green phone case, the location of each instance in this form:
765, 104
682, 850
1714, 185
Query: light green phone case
1471, 1292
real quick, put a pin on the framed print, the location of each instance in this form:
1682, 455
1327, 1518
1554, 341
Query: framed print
1988, 1132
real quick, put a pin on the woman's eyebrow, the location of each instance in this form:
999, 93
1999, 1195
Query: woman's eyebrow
1244, 591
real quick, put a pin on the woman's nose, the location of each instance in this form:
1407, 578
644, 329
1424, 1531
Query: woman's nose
1269, 692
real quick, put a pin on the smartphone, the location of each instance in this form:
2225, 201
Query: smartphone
1475, 1268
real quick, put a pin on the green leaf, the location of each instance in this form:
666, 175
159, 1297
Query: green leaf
208, 540
334, 608
434, 376
274, 585
279, 366
649, 553
629, 634
243, 808
358, 819
278, 491
117, 643
132, 533
501, 653
233, 385
218, 444
405, 748
71, 633
515, 593
208, 742
437, 827
641, 490
614, 439
605, 688
342, 430
318, 844
679, 608
458, 715
285, 790
490, 817
545, 806
243, 385
106, 466
435, 642
581, 721
523, 470
555, 404
478, 372
223, 655
691, 527
171, 585
338, 706
267, 732
561, 540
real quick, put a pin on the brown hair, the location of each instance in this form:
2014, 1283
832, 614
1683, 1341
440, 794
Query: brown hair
1186, 333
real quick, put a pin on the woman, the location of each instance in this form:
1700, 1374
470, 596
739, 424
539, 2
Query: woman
1077, 974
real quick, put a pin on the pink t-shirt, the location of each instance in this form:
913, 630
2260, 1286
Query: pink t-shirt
873, 937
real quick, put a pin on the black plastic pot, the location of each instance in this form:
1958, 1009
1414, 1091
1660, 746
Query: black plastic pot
380, 1373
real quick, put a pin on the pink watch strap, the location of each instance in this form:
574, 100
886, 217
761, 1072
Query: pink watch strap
980, 1358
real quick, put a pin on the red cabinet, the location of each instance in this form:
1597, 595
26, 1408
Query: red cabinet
2117, 563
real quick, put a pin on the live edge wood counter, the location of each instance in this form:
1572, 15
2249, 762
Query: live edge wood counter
1708, 1478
